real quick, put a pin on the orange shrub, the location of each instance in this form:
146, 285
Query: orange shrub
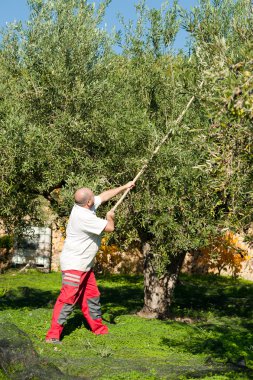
110, 259
224, 253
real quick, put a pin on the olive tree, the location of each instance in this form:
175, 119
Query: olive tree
187, 194
62, 117
52, 74
74, 113
171, 211
223, 38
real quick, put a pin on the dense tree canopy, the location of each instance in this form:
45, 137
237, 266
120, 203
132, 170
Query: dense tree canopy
223, 38
73, 112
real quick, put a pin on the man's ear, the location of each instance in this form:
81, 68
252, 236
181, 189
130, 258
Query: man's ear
89, 202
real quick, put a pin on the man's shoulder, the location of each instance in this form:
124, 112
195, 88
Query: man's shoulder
82, 213
97, 201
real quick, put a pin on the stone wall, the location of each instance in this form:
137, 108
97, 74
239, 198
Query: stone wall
107, 260
58, 236
247, 266
131, 262
122, 262
193, 263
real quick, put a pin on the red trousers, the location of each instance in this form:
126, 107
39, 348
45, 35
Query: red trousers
77, 287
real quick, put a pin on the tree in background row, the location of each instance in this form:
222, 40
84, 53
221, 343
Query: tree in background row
74, 112
224, 54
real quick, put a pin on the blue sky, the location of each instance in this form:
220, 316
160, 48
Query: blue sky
11, 10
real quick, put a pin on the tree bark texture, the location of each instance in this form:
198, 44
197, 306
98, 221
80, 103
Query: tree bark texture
158, 291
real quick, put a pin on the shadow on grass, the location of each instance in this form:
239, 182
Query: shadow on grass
228, 343
223, 308
74, 322
117, 292
221, 295
119, 295
123, 299
27, 297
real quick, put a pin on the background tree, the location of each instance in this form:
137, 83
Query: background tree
223, 38
55, 71
74, 112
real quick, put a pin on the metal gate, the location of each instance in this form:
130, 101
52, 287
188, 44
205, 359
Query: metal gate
35, 248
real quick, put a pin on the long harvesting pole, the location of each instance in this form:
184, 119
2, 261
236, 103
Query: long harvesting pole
165, 138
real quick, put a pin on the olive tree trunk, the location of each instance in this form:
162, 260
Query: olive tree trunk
158, 291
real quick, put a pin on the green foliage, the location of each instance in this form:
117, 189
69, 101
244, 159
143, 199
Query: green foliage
81, 109
213, 21
225, 62
168, 209
155, 30
6, 241
59, 65
74, 113
6, 252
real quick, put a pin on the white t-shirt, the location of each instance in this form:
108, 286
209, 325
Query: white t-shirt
83, 238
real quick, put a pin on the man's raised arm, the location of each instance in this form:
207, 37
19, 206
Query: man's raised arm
107, 195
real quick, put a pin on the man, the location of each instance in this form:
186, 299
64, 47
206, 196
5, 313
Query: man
83, 238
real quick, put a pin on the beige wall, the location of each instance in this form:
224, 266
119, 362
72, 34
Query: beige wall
116, 261
193, 263
57, 244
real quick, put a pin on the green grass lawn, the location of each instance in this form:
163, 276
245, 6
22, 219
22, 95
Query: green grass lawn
208, 334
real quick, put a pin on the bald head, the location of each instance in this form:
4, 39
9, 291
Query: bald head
84, 197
